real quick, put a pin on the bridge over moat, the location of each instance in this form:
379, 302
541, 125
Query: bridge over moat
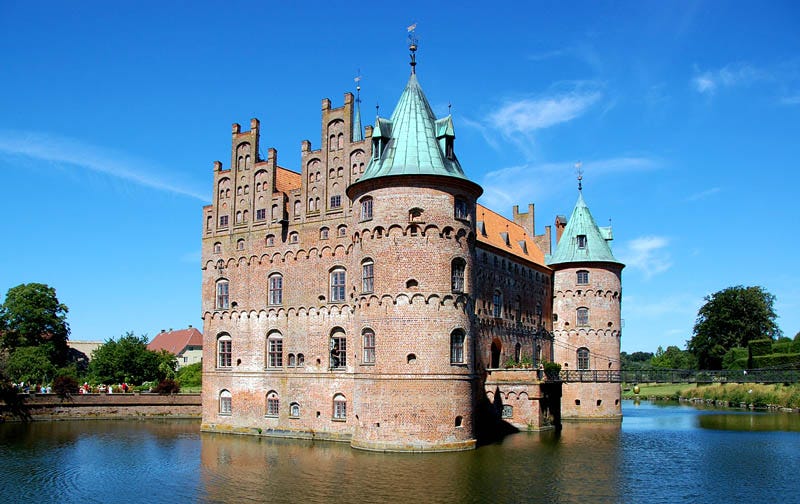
771, 375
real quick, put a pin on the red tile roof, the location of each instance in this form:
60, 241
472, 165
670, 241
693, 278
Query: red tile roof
176, 341
286, 180
498, 229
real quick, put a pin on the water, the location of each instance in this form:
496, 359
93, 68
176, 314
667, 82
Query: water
659, 454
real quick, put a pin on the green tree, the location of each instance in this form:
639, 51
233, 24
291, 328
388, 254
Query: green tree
731, 318
125, 359
31, 315
636, 360
31, 364
191, 375
672, 358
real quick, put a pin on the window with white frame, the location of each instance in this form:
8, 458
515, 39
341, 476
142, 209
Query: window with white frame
366, 208
273, 403
339, 407
294, 410
457, 347
367, 276
222, 295
225, 406
275, 350
336, 201
323, 233
337, 282
338, 348
368, 336
224, 351
275, 289
583, 277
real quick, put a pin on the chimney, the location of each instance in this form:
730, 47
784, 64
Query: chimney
561, 223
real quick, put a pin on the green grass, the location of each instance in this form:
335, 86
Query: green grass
661, 391
787, 396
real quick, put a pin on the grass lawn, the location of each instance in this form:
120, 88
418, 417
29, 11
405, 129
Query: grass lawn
665, 390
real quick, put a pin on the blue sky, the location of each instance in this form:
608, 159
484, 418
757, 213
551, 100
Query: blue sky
685, 115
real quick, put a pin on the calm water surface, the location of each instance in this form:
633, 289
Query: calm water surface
659, 454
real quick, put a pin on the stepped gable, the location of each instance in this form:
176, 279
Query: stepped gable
495, 230
593, 247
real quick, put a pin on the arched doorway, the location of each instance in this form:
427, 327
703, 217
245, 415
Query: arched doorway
496, 347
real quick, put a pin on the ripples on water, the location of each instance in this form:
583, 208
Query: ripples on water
659, 454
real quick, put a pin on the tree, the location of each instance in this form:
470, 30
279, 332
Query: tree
126, 359
673, 358
31, 364
731, 318
636, 360
30, 316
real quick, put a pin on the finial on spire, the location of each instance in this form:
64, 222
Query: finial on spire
449, 107
377, 109
357, 135
579, 170
358, 86
413, 43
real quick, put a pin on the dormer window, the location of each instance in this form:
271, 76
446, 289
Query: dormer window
449, 153
581, 241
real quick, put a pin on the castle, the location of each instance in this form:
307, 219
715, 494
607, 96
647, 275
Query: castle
370, 298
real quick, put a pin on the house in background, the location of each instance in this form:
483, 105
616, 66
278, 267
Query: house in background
185, 344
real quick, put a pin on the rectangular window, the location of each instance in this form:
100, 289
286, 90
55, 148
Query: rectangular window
581, 241
340, 410
583, 316
261, 214
338, 352
275, 353
225, 405
222, 295
460, 209
369, 347
366, 209
272, 406
223, 220
224, 359
457, 279
497, 305
367, 277
337, 285
275, 289
336, 201
457, 348
583, 277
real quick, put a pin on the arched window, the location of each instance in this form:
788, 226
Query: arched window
583, 277
517, 352
367, 276
583, 358
338, 346
457, 347
275, 289
275, 350
342, 230
368, 336
339, 407
301, 360
457, 274
294, 410
323, 233
497, 304
225, 403
240, 244
273, 403
583, 316
294, 237
366, 208
222, 294
297, 208
224, 351
291, 361
217, 248
337, 284
270, 240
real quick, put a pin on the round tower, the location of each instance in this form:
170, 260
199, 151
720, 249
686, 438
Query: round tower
587, 296
413, 222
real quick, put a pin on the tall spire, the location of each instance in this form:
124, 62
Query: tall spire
357, 134
413, 43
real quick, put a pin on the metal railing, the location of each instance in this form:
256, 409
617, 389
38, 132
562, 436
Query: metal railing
769, 375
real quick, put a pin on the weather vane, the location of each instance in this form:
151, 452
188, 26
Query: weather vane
413, 43
358, 86
579, 171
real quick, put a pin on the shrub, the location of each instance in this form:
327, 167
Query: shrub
64, 386
759, 347
167, 386
191, 375
552, 370
775, 360
735, 358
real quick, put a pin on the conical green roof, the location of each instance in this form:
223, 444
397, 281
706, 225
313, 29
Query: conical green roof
593, 247
411, 133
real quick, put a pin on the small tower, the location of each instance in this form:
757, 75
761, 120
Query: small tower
586, 314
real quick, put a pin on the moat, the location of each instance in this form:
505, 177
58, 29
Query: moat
660, 453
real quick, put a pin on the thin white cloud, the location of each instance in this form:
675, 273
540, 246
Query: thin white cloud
647, 254
734, 74
703, 194
541, 182
528, 115
71, 152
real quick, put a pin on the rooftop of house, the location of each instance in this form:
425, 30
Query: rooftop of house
175, 342
495, 230
583, 240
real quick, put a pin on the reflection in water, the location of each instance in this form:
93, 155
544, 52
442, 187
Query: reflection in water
659, 454
523, 467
